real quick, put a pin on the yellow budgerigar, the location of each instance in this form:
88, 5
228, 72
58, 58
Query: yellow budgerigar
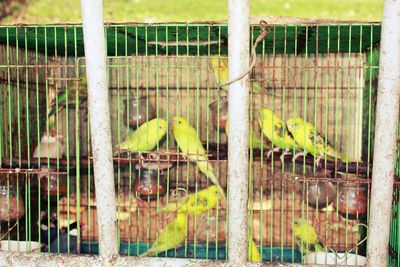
275, 130
307, 137
189, 143
172, 236
253, 252
146, 137
220, 68
306, 236
255, 140
197, 203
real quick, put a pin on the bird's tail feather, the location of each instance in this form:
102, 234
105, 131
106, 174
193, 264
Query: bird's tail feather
253, 252
206, 168
332, 154
146, 253
257, 143
319, 247
257, 87
54, 109
309, 248
119, 147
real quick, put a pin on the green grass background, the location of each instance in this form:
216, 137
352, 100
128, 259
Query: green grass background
55, 11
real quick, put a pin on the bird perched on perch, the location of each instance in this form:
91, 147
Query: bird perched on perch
60, 244
189, 143
307, 137
275, 130
51, 145
67, 98
255, 140
145, 138
220, 68
306, 236
172, 236
197, 203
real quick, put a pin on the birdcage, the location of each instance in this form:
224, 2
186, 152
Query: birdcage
323, 73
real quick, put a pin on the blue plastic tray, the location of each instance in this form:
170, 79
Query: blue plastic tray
201, 251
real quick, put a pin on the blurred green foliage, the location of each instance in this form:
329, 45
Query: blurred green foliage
54, 11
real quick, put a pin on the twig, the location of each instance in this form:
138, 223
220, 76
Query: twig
253, 57
9, 230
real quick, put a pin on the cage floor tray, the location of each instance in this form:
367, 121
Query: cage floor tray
198, 251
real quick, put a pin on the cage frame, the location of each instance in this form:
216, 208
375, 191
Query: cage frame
94, 259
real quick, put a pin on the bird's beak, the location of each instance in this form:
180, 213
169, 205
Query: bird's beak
52, 132
83, 226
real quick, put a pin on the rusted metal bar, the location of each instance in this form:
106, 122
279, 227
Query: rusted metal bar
220, 153
100, 125
387, 118
238, 145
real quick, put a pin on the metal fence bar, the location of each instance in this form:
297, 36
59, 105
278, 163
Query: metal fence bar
387, 117
100, 125
238, 59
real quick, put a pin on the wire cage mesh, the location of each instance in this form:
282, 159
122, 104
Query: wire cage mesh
325, 74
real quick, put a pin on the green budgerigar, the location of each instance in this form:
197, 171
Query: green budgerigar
67, 98
172, 236
145, 138
307, 137
197, 203
275, 130
189, 143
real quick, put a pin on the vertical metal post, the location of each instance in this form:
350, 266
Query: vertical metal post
239, 42
387, 117
100, 125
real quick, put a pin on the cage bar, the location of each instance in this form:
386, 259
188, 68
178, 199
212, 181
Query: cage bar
95, 52
238, 175
386, 138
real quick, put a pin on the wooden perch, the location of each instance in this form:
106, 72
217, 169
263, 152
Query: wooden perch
216, 152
